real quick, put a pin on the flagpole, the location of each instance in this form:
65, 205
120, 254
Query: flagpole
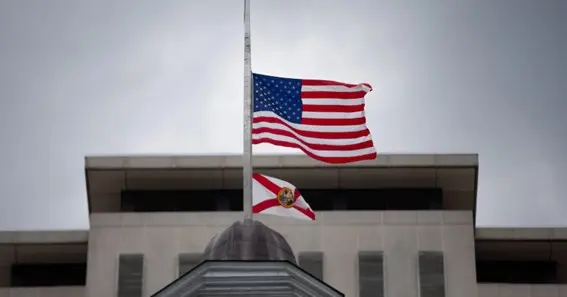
247, 152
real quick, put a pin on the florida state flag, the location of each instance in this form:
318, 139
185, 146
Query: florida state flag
278, 197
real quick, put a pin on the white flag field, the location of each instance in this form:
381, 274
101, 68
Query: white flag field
278, 197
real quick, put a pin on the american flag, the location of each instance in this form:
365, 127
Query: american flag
325, 119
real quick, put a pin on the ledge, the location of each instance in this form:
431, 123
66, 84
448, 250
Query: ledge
48, 236
274, 161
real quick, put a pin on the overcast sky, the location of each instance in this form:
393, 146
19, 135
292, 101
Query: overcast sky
165, 77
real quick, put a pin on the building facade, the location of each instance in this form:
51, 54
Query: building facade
401, 225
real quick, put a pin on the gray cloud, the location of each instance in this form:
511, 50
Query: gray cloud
121, 77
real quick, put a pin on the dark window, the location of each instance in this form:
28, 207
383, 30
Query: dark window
49, 275
312, 262
374, 199
130, 275
320, 200
519, 272
394, 199
371, 274
431, 274
188, 262
155, 201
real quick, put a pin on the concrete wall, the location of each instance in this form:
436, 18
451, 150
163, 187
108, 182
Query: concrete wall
521, 290
43, 292
340, 235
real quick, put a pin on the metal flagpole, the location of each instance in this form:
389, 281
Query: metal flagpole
247, 153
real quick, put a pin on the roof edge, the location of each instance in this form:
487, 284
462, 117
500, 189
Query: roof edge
44, 237
270, 161
521, 233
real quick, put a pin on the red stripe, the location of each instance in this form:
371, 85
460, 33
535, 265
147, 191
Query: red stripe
260, 207
331, 160
316, 146
266, 204
318, 82
333, 108
314, 134
333, 95
333, 122
266, 183
306, 212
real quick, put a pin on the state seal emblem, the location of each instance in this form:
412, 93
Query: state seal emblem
286, 198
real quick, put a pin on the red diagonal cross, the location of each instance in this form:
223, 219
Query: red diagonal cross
275, 189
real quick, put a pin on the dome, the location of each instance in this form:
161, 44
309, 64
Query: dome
249, 240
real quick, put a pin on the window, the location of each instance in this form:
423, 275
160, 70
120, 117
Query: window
431, 274
188, 262
312, 262
519, 272
48, 275
320, 200
155, 201
374, 199
371, 274
394, 199
130, 275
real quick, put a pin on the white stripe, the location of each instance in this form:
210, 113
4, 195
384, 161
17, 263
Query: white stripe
301, 127
260, 193
331, 101
335, 88
301, 203
312, 140
319, 153
332, 115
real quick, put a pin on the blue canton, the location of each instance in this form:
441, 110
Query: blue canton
281, 96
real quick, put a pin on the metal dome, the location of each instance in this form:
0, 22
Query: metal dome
249, 240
